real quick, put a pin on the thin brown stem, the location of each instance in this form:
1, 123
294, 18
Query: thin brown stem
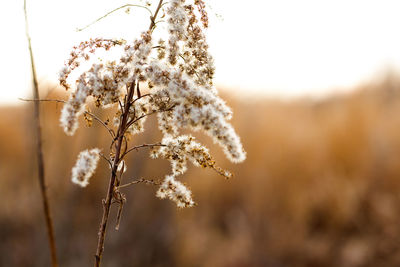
43, 100
139, 118
39, 153
140, 181
142, 146
110, 131
141, 97
153, 18
106, 159
139, 94
109, 196
132, 121
112, 11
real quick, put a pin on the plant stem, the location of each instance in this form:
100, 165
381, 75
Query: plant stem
153, 18
39, 152
107, 202
120, 138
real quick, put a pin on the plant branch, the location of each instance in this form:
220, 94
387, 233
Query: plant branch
141, 97
153, 18
112, 11
142, 180
109, 196
142, 146
106, 159
43, 100
138, 118
111, 131
85, 112
147, 114
120, 138
39, 152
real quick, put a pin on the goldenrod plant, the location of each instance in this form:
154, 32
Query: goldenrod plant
171, 78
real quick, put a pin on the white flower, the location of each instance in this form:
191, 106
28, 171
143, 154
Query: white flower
175, 191
195, 107
85, 166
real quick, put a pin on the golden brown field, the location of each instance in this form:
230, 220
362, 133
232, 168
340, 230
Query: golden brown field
320, 187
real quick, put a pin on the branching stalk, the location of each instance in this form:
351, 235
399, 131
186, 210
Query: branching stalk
118, 156
109, 196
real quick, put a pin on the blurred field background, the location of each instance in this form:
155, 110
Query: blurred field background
320, 187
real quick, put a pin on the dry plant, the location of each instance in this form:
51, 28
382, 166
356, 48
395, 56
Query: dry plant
39, 151
171, 78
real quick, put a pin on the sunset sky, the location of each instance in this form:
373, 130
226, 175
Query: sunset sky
280, 48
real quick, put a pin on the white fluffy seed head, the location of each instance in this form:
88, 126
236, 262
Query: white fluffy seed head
175, 191
179, 73
85, 166
69, 119
196, 108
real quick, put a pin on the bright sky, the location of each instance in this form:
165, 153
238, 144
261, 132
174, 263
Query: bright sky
284, 48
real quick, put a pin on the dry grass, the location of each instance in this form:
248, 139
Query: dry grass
321, 187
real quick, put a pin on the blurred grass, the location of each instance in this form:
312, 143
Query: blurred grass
320, 187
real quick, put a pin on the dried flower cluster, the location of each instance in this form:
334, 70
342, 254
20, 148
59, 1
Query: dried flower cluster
175, 191
179, 151
85, 166
178, 76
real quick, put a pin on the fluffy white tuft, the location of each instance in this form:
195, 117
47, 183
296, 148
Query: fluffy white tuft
85, 166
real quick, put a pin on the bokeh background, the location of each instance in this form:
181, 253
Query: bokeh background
315, 90
320, 187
